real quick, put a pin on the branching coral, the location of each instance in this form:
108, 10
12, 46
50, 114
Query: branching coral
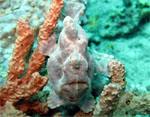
23, 42
50, 22
17, 88
111, 93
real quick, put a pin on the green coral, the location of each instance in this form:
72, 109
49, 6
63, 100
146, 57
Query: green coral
93, 20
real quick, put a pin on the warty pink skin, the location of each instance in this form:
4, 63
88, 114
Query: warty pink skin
67, 66
71, 66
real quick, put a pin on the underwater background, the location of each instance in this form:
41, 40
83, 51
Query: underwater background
116, 27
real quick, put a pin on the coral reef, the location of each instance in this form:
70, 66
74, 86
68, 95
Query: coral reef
21, 85
11, 10
108, 100
39, 107
50, 22
131, 105
119, 74
111, 92
72, 67
121, 17
8, 110
15, 89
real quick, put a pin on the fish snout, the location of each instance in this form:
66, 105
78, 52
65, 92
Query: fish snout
76, 64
